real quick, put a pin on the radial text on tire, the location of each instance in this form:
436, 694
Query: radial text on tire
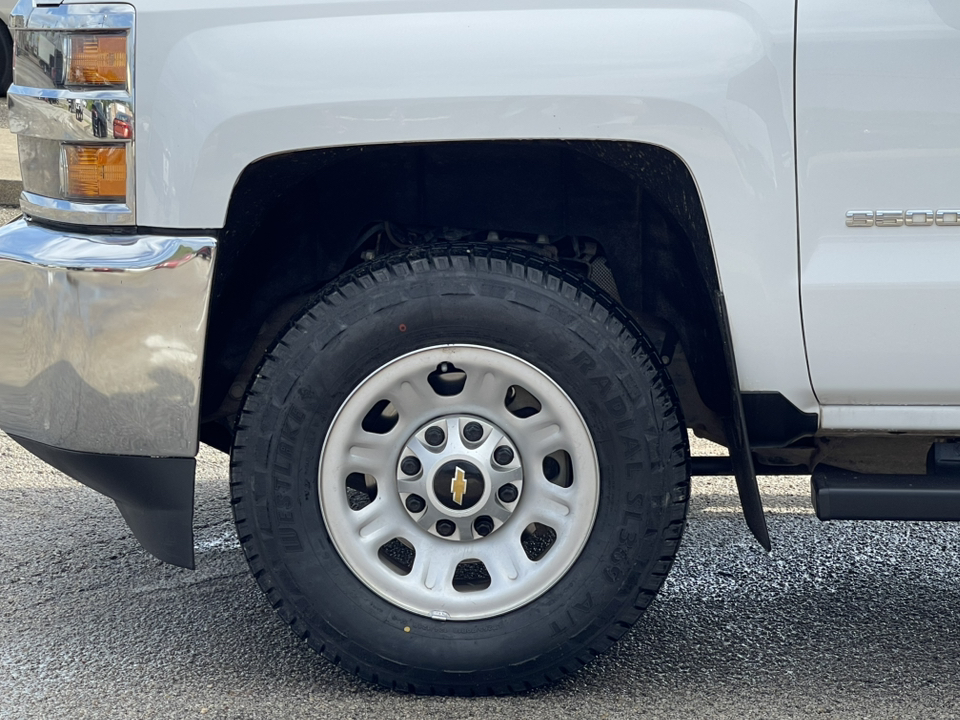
461, 470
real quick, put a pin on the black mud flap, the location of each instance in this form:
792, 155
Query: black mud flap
154, 495
735, 426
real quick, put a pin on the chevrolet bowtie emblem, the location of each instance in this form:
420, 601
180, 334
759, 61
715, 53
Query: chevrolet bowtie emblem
458, 486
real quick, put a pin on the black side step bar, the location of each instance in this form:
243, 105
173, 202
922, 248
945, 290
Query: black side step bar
723, 465
845, 495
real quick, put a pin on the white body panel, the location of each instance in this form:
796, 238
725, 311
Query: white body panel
221, 84
878, 128
920, 419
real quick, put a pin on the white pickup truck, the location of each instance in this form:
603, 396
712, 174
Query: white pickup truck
451, 282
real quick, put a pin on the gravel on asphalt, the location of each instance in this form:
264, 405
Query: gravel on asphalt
841, 620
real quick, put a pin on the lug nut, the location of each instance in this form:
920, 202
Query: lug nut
503, 455
473, 431
508, 493
483, 525
415, 503
446, 528
410, 466
434, 436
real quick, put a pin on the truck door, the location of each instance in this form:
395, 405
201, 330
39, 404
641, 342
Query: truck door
878, 153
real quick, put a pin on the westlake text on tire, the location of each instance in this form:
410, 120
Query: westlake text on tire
461, 470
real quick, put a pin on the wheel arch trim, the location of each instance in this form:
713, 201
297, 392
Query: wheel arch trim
678, 193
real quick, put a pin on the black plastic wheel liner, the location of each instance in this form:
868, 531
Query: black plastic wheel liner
154, 495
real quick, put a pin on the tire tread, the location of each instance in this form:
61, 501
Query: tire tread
621, 329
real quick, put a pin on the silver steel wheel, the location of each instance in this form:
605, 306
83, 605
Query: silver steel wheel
459, 482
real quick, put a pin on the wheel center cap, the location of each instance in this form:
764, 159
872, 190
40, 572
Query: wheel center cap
458, 484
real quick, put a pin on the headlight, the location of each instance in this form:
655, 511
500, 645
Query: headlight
97, 61
72, 107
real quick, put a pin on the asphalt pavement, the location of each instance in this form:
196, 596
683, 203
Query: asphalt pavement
841, 620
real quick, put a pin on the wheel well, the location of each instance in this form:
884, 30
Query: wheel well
298, 220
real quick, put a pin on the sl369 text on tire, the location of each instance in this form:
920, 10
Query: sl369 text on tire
460, 470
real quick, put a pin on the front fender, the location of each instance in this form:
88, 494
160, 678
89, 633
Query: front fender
221, 84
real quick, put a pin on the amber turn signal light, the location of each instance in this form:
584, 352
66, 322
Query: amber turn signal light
97, 60
95, 172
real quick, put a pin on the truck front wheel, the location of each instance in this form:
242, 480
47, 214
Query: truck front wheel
461, 470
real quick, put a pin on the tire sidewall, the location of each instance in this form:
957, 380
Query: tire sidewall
360, 324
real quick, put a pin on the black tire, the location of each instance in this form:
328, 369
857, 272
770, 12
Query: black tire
499, 299
6, 59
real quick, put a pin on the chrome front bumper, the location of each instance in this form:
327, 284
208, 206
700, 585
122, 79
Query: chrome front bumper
101, 339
